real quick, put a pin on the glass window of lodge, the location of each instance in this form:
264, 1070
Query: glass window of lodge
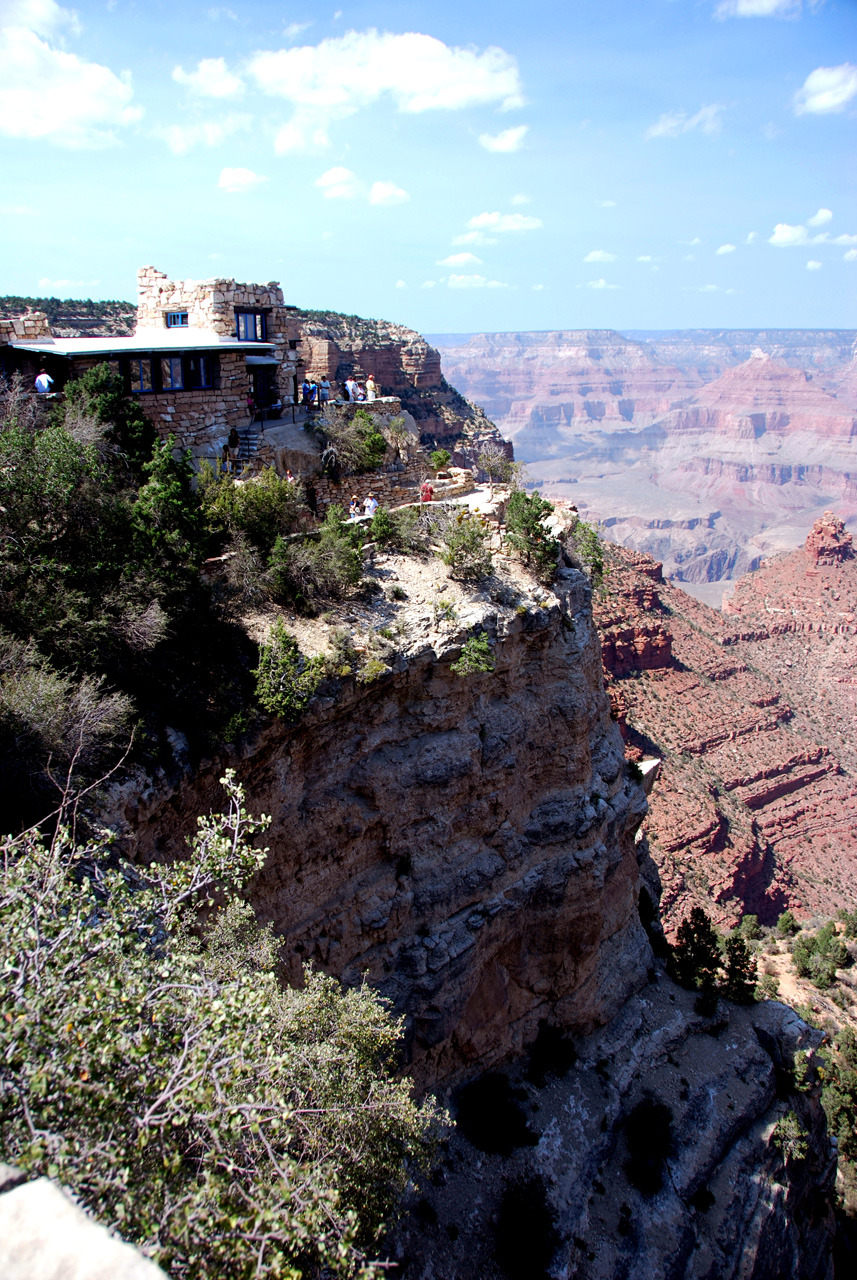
176, 319
172, 376
201, 370
250, 326
141, 376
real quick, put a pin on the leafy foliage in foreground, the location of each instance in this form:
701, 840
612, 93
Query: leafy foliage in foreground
158, 1069
699, 963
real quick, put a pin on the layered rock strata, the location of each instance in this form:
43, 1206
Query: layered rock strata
468, 844
754, 809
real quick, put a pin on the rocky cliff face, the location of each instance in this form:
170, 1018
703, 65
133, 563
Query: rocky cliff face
467, 844
402, 363
756, 806
708, 451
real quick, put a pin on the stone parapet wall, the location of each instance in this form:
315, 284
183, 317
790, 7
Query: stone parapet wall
25, 328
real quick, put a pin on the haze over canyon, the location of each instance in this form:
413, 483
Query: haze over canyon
707, 449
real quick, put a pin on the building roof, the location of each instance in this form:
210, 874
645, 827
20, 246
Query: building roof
145, 340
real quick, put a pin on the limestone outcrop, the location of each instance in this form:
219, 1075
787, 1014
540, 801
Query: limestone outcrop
466, 844
654, 1155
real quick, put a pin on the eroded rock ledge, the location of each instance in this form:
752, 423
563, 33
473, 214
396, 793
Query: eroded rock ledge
466, 843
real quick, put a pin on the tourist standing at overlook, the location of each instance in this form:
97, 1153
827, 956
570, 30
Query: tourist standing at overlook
370, 505
323, 391
351, 388
371, 388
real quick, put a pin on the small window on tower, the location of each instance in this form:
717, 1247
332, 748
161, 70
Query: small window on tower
176, 319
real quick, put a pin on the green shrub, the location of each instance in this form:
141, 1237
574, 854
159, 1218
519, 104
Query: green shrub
440, 458
748, 928
587, 549
465, 546
261, 509
381, 529
818, 956
790, 1138
319, 568
285, 678
356, 443
398, 529
372, 668
477, 657
155, 1067
167, 517
100, 394
527, 535
787, 925
768, 987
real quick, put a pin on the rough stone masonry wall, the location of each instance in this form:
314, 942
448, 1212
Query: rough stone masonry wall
26, 328
466, 843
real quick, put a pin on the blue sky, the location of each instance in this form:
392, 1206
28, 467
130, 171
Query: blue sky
455, 167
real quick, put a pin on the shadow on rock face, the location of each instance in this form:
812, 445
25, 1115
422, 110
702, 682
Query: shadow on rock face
491, 1117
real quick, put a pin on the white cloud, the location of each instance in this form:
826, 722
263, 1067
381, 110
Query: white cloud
473, 237
825, 90
645, 257
757, 9
537, 288
520, 198
839, 239
599, 284
608, 204
820, 219
400, 284
504, 222
212, 79
234, 180
725, 248
508, 140
599, 255
460, 260
339, 184
813, 266
180, 138
786, 236
753, 235
215, 14
696, 240
709, 288
387, 193
48, 93
850, 256
474, 282
294, 29
689, 257
341, 75
674, 123
428, 284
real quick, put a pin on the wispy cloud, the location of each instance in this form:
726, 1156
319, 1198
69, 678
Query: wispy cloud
504, 222
820, 219
238, 180
474, 237
672, 124
51, 94
826, 90
387, 193
850, 256
339, 76
181, 138
211, 79
508, 140
758, 9
460, 260
520, 199
599, 255
608, 204
725, 248
599, 284
474, 282
812, 265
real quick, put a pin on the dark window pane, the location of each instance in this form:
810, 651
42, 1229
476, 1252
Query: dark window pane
141, 376
176, 319
171, 373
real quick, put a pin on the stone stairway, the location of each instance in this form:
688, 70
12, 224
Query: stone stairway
249, 445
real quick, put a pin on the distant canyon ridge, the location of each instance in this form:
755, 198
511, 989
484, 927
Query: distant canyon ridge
707, 449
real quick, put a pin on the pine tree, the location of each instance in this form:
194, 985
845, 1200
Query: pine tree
696, 955
740, 975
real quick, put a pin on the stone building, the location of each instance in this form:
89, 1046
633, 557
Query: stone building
199, 350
